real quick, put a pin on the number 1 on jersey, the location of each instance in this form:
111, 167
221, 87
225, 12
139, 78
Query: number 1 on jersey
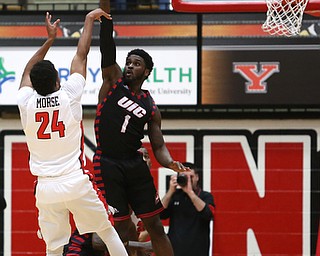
125, 123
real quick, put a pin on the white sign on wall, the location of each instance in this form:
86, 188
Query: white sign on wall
172, 82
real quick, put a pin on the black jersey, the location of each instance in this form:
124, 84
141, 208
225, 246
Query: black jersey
121, 119
189, 230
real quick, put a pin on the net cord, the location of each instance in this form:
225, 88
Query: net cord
284, 17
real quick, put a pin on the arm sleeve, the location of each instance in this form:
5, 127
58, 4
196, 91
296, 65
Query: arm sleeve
107, 45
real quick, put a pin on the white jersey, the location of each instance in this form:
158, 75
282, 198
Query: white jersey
53, 128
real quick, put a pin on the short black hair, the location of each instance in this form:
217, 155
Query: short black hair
144, 55
197, 171
43, 76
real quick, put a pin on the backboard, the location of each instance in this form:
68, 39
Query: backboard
216, 6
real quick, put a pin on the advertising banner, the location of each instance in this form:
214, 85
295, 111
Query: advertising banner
173, 80
260, 75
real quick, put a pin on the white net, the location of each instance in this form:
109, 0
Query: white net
284, 17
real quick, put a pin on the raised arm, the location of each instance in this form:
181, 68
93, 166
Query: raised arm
105, 5
41, 53
79, 62
111, 71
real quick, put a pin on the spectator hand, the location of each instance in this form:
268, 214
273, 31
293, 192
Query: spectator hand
173, 184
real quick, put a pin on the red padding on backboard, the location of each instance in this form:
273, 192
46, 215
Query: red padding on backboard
198, 6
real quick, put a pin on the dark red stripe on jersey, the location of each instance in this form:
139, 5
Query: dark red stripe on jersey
97, 178
98, 112
98, 151
97, 172
154, 107
98, 184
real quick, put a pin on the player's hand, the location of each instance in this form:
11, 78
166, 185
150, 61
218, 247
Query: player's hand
178, 167
52, 28
97, 13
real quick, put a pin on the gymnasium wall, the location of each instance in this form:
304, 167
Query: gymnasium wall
264, 176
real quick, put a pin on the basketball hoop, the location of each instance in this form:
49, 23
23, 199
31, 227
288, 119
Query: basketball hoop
284, 17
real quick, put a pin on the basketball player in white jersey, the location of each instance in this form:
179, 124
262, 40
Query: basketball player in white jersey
51, 116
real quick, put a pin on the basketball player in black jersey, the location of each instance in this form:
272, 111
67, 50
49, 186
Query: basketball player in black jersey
122, 113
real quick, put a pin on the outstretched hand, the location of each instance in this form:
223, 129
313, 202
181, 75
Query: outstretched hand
97, 13
178, 167
52, 28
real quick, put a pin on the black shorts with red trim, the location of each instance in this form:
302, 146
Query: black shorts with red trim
129, 183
